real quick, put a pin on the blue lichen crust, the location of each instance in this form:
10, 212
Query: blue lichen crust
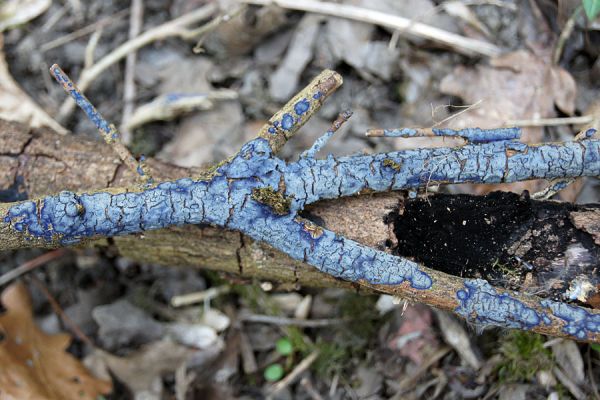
479, 302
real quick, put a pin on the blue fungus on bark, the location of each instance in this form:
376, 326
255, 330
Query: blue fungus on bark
472, 135
287, 122
480, 302
478, 135
578, 322
301, 107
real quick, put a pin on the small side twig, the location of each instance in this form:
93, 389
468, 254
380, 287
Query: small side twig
296, 112
31, 265
108, 131
322, 141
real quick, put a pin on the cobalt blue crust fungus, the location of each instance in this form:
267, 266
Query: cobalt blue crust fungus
578, 322
245, 194
473, 135
479, 302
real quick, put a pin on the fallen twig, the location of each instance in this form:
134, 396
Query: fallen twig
61, 314
108, 131
584, 119
83, 31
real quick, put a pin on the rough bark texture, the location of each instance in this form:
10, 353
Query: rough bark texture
41, 163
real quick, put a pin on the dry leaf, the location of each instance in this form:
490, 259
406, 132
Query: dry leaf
35, 365
142, 371
17, 12
517, 85
16, 105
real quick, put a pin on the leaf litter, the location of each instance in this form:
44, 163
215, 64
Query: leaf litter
36, 365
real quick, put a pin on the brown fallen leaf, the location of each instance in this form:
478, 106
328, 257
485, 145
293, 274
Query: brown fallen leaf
16, 105
515, 86
35, 365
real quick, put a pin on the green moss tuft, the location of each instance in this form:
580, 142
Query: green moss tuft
523, 354
279, 203
388, 162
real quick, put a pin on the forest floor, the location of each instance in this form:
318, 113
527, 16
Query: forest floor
244, 340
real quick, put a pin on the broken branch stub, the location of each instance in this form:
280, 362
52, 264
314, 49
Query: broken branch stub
260, 195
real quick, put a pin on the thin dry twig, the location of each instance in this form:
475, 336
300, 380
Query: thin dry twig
459, 43
409, 380
564, 35
83, 31
591, 374
31, 265
308, 386
283, 321
90, 49
295, 373
61, 314
199, 297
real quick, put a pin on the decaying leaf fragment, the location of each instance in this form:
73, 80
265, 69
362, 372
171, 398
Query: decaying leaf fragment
34, 365
16, 105
17, 12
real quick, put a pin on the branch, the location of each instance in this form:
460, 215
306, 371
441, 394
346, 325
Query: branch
262, 196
